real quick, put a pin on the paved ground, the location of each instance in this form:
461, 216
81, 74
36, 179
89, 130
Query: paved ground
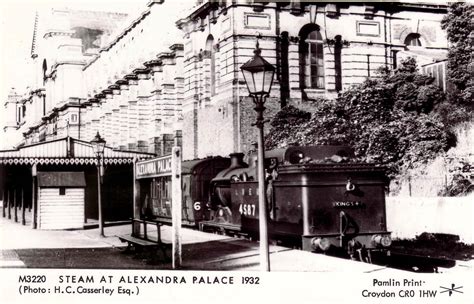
22, 246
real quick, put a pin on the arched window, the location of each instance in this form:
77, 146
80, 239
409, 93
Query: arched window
413, 39
212, 69
312, 57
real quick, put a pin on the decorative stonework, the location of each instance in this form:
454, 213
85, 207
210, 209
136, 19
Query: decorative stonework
368, 28
257, 21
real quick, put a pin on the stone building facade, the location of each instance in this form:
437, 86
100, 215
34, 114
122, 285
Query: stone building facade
318, 50
175, 69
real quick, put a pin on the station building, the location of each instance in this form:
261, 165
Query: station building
172, 75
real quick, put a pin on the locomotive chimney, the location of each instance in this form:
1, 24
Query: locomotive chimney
237, 160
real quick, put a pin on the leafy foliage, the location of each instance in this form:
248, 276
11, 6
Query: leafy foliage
389, 120
287, 121
459, 23
458, 186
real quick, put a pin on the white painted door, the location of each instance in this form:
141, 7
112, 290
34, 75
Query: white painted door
61, 209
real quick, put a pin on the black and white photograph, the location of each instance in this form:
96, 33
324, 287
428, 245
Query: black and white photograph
236, 150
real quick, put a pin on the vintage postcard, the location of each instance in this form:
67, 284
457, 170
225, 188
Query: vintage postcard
214, 151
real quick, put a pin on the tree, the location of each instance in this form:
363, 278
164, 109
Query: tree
459, 24
389, 121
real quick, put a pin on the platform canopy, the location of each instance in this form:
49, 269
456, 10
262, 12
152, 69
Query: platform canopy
66, 151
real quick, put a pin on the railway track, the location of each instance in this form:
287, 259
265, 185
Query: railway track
412, 262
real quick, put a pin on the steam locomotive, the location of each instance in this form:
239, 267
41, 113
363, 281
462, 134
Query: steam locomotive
317, 197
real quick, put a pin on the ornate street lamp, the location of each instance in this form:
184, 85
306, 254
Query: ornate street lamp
98, 145
258, 74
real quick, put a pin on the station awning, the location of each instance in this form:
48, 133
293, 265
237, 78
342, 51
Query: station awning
66, 151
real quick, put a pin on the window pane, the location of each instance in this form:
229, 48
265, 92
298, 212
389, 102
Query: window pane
319, 50
258, 78
249, 80
268, 81
314, 70
320, 82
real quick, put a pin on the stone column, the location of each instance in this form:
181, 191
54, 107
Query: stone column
115, 122
190, 107
123, 115
107, 109
144, 115
95, 116
168, 88
132, 118
167, 143
154, 128
294, 68
86, 121
178, 51
101, 114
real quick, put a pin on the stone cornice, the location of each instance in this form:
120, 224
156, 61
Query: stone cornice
131, 77
50, 115
69, 105
196, 20
152, 2
177, 47
141, 71
152, 63
165, 55
121, 82
39, 92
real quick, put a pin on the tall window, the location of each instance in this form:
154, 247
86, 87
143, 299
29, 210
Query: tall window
212, 56
312, 63
413, 39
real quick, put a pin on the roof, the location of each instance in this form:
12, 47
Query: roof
67, 150
61, 179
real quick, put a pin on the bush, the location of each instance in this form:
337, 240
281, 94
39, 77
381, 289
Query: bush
389, 121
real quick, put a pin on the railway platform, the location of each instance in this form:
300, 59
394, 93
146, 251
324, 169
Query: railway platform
201, 251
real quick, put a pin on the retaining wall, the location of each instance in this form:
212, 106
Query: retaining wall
408, 217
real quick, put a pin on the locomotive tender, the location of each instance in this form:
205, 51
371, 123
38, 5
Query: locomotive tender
316, 196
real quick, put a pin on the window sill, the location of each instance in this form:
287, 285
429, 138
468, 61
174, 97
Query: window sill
314, 90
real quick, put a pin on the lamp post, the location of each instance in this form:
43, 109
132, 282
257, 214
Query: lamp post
258, 74
98, 145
